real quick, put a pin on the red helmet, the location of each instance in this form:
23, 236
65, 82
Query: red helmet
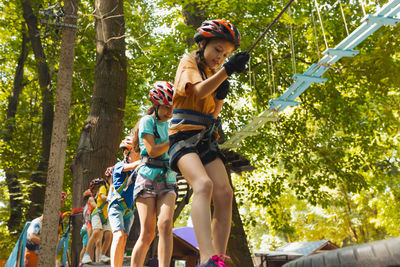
96, 182
161, 93
127, 143
109, 171
218, 29
63, 195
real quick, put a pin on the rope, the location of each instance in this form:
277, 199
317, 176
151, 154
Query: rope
344, 18
320, 20
316, 36
269, 27
292, 45
272, 73
363, 7
269, 71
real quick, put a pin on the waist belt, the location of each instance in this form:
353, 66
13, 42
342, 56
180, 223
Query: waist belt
185, 116
154, 162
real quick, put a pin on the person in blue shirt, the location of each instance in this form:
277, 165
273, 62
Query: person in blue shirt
155, 186
121, 203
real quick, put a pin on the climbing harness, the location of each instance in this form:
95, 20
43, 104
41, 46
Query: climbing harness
183, 116
115, 195
156, 163
100, 209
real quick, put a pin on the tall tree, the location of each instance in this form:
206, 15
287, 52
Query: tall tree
55, 175
39, 176
14, 188
101, 134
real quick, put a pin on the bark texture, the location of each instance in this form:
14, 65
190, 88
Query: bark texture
101, 134
55, 175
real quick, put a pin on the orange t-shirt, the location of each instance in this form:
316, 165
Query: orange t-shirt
187, 75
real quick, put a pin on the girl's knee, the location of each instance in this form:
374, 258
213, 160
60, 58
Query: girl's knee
224, 195
164, 225
147, 235
119, 235
203, 186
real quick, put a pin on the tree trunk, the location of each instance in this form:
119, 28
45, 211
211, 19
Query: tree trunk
101, 134
14, 188
39, 177
238, 248
194, 15
54, 183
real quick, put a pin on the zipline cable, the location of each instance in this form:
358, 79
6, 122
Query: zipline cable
269, 26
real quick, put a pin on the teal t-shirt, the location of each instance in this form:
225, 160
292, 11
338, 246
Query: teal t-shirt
146, 126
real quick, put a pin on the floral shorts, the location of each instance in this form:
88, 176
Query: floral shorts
143, 183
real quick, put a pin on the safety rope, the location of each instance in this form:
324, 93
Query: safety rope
316, 36
320, 20
344, 18
363, 7
292, 44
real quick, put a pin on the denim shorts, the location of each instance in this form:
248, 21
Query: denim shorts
97, 224
117, 220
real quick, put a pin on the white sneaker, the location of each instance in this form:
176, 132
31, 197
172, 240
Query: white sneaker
104, 258
86, 259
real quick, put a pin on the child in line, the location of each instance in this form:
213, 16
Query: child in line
100, 224
86, 230
121, 203
155, 183
200, 89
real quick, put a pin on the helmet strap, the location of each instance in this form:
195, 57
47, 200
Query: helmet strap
201, 50
126, 160
156, 112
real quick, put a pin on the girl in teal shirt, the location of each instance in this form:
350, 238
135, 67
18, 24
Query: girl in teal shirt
155, 183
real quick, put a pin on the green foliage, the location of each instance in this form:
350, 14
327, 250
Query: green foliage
328, 169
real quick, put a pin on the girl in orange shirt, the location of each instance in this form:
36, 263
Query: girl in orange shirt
200, 89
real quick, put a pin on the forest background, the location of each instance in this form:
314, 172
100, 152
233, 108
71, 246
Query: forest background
327, 169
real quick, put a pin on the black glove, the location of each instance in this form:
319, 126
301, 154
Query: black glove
237, 63
222, 90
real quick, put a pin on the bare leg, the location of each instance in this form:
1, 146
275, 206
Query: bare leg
193, 170
82, 252
165, 211
98, 246
222, 200
96, 235
107, 242
118, 248
147, 216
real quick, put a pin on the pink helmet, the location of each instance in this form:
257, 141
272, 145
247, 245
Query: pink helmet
218, 29
127, 143
161, 93
109, 171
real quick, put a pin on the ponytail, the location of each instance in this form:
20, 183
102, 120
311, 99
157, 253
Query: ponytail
135, 131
